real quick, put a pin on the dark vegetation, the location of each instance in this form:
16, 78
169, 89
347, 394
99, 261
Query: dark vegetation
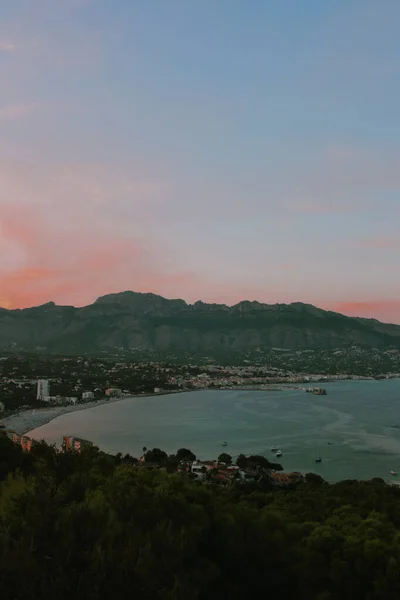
92, 526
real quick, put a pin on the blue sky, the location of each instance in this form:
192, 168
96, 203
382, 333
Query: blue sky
219, 150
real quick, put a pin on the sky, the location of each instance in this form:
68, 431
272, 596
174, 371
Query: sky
218, 150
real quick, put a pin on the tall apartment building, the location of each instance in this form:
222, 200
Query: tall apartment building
43, 389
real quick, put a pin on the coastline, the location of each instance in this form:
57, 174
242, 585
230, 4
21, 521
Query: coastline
28, 420
25, 421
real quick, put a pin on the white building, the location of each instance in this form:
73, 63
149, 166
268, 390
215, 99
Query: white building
87, 396
71, 399
198, 469
43, 389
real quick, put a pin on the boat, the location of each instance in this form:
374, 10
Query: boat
224, 443
393, 472
318, 458
278, 453
274, 448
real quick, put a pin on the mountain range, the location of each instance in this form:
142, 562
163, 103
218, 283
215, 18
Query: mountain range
131, 320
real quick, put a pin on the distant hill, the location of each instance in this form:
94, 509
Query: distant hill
132, 320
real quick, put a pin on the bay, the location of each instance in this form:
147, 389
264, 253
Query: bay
351, 427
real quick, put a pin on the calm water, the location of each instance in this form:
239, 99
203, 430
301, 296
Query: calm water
350, 427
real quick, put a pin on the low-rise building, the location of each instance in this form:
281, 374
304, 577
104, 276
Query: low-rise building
16, 438
87, 396
26, 443
22, 440
113, 392
71, 399
71, 443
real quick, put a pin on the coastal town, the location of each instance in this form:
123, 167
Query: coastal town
35, 389
80, 380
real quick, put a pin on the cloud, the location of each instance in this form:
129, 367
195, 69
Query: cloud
15, 112
75, 267
386, 310
58, 243
380, 242
7, 46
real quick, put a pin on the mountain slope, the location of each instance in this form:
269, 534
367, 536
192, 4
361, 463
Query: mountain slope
131, 320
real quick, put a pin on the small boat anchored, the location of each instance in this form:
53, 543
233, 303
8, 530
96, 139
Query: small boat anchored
224, 443
274, 448
318, 458
393, 472
278, 453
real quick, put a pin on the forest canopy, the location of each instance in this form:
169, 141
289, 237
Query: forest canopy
93, 526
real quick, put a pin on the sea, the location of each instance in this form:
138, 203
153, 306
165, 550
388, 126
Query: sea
355, 428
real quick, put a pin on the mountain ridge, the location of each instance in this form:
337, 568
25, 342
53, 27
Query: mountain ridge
130, 319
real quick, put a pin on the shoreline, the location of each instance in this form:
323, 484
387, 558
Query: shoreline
27, 420
23, 422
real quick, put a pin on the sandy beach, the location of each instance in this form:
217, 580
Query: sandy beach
27, 420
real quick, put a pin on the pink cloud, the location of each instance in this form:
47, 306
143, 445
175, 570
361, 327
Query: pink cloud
14, 112
384, 242
57, 243
7, 46
75, 269
384, 310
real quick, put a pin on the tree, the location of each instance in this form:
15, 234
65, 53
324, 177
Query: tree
89, 526
225, 458
172, 463
156, 456
241, 461
274, 466
185, 455
256, 461
11, 457
314, 479
130, 460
